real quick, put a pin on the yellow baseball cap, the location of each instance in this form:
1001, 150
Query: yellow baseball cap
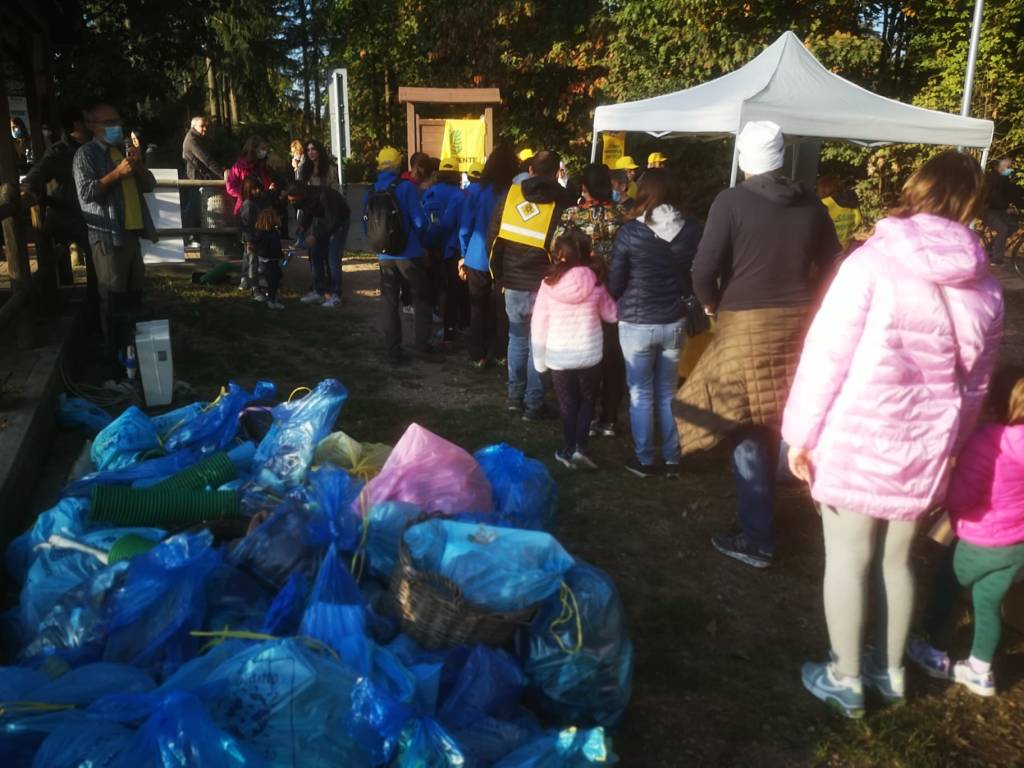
388, 157
625, 163
448, 164
656, 157
476, 170
525, 155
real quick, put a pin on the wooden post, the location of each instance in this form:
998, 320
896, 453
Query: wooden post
410, 129
233, 103
211, 91
488, 130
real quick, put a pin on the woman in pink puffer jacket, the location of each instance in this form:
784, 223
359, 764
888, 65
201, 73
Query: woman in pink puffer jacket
891, 380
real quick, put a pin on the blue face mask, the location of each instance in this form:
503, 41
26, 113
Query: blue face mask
616, 196
1008, 172
113, 134
17, 133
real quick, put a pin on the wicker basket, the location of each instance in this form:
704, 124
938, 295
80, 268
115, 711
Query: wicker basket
434, 613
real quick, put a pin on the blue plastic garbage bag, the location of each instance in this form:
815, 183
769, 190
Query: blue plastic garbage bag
525, 494
489, 739
67, 518
22, 731
503, 569
426, 668
215, 427
285, 613
235, 600
293, 539
388, 520
283, 456
426, 744
331, 492
83, 685
162, 599
83, 742
179, 733
486, 683
57, 570
154, 469
124, 440
167, 423
336, 614
281, 697
77, 413
376, 720
570, 748
584, 680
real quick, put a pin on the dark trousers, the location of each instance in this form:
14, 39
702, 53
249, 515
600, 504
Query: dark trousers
1004, 224
482, 315
755, 461
318, 267
190, 209
394, 274
270, 271
613, 375
454, 299
575, 390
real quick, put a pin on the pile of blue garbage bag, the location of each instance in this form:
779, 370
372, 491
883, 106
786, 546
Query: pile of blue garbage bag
268, 640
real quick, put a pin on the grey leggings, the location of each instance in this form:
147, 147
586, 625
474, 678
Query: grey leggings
851, 542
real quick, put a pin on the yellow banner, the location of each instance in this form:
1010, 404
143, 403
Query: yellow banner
614, 147
465, 140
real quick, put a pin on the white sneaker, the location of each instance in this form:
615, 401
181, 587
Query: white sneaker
979, 683
332, 301
260, 297
312, 298
275, 305
580, 460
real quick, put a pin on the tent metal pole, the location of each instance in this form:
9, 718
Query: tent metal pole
593, 148
972, 58
735, 162
984, 157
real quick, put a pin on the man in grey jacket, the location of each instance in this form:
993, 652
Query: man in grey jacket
110, 185
199, 164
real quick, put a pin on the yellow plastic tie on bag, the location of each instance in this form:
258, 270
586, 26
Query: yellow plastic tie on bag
220, 635
359, 558
570, 611
295, 391
30, 707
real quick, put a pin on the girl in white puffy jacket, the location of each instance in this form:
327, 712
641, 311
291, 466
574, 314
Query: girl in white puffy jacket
566, 338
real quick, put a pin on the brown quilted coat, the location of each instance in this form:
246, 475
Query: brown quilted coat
743, 378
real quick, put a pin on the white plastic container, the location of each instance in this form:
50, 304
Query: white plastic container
153, 348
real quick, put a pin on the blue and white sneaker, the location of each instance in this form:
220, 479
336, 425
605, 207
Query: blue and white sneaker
890, 684
980, 683
928, 659
843, 694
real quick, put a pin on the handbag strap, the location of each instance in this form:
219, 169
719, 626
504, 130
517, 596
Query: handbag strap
961, 372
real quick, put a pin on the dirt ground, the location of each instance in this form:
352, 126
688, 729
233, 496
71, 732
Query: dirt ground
718, 645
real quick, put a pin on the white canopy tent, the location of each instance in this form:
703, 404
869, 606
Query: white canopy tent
786, 84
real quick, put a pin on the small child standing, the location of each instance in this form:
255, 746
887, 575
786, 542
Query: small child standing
267, 255
986, 507
566, 337
252, 191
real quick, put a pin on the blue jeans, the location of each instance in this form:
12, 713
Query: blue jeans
524, 383
652, 362
755, 460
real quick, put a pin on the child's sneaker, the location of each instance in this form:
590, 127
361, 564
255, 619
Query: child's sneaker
928, 659
889, 684
580, 460
331, 301
844, 694
261, 298
564, 458
312, 298
980, 683
275, 305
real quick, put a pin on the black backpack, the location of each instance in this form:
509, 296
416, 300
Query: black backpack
384, 221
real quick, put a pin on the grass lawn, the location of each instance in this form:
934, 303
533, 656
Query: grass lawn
718, 645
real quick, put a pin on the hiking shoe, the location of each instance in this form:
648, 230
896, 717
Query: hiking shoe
478, 365
275, 305
512, 405
843, 694
634, 467
889, 684
331, 301
501, 362
602, 430
671, 470
260, 297
535, 414
738, 547
564, 458
312, 298
928, 659
979, 683
580, 460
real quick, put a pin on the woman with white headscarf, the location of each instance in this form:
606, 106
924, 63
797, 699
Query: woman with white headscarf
753, 270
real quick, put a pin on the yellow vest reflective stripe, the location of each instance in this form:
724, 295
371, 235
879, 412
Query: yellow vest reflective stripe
525, 222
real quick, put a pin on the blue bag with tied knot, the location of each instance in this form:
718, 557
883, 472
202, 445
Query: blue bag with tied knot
215, 426
525, 494
570, 748
75, 412
502, 569
67, 518
283, 456
336, 614
577, 654
124, 440
426, 744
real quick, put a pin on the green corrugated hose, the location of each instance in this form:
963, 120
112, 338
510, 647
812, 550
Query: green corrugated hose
128, 546
160, 507
213, 471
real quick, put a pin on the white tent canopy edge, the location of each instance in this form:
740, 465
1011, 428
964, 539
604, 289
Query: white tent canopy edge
786, 84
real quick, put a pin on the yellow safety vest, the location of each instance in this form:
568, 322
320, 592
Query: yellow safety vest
525, 222
846, 220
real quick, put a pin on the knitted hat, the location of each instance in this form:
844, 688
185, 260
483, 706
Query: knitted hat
761, 147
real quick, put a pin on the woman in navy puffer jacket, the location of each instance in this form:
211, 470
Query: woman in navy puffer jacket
649, 275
